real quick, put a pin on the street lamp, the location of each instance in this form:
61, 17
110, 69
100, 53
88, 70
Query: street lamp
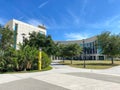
40, 59
84, 53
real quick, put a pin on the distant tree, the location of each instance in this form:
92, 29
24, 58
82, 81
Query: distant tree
72, 50
6, 38
50, 46
60, 50
109, 44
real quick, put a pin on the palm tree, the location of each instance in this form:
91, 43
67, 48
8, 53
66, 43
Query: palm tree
28, 54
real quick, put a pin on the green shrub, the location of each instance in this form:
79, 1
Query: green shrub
18, 60
46, 61
35, 64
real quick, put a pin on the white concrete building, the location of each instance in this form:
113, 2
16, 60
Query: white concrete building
21, 29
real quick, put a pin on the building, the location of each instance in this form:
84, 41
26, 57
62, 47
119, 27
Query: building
90, 50
22, 30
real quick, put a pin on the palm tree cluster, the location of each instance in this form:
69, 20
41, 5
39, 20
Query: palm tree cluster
26, 57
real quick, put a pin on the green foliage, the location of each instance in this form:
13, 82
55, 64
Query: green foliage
45, 60
70, 50
6, 41
39, 40
26, 58
60, 50
6, 63
2, 61
50, 46
47, 68
109, 44
7, 37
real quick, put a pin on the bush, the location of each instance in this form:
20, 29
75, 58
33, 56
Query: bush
17, 60
46, 61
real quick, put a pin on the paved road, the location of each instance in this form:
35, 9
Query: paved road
103, 77
29, 84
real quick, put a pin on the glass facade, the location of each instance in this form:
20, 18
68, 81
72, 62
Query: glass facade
89, 48
91, 51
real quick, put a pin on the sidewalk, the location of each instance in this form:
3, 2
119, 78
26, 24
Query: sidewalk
78, 83
58, 76
67, 69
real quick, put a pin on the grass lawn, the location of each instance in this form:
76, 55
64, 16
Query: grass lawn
91, 64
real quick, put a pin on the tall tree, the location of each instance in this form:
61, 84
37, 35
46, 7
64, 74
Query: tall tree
60, 50
6, 43
6, 38
50, 46
109, 44
39, 40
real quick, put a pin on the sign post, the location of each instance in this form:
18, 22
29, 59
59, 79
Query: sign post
40, 59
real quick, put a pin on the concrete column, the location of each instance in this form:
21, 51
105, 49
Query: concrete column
53, 57
105, 57
57, 58
96, 57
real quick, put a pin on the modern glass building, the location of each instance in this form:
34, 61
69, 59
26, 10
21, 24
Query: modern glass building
90, 50
22, 30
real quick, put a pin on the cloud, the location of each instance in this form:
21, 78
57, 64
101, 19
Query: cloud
76, 36
52, 24
111, 23
74, 17
21, 17
43, 4
34, 22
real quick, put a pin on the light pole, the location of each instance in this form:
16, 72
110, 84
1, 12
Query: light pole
84, 53
40, 59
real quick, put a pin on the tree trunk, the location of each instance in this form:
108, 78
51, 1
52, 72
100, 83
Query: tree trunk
71, 60
112, 60
63, 60
24, 69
